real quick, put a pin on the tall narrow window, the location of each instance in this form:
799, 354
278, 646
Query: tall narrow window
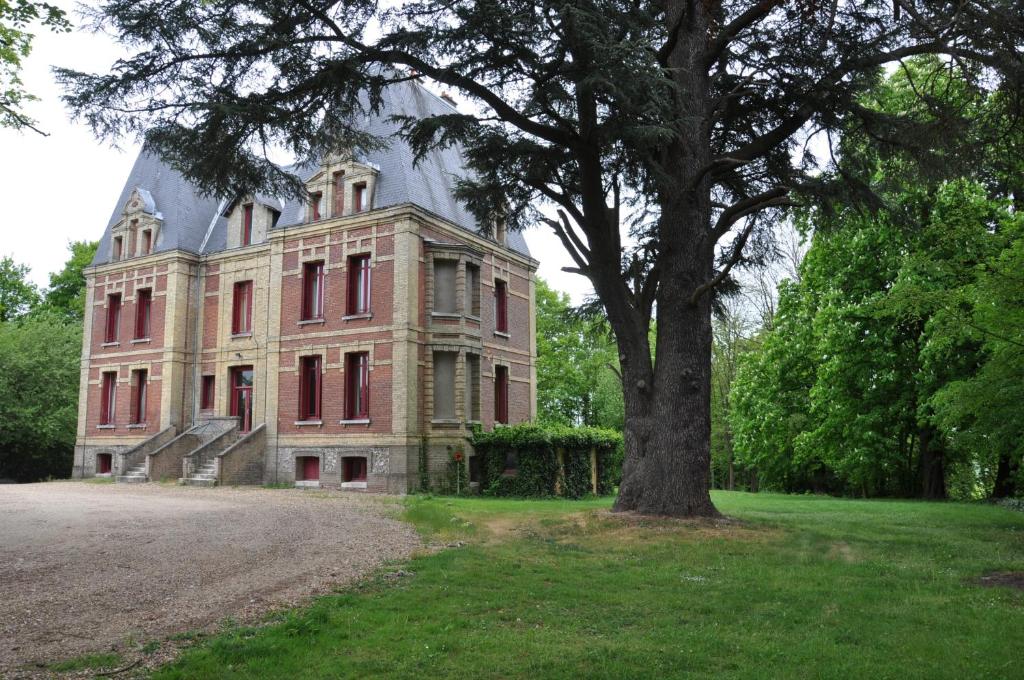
118, 245
275, 215
312, 291
309, 388
472, 290
359, 284
109, 399
444, 286
241, 309
501, 394
359, 197
138, 405
113, 317
147, 241
473, 387
143, 311
357, 386
314, 206
206, 396
444, 385
500, 306
339, 193
247, 224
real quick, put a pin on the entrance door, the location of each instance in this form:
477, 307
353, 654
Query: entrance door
241, 396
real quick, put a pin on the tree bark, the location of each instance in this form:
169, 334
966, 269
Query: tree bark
1006, 471
932, 466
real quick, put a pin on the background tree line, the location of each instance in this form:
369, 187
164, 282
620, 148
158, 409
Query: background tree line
40, 348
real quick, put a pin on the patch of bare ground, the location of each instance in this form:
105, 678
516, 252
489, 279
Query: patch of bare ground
841, 552
1005, 579
93, 568
629, 527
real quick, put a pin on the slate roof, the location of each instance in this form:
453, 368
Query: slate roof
196, 224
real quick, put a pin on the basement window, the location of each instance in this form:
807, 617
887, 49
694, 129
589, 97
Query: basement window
103, 463
353, 472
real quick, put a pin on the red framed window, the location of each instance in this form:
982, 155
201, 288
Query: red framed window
501, 306
241, 309
143, 312
118, 243
353, 469
359, 197
501, 394
359, 284
113, 317
307, 468
314, 206
312, 291
339, 193
247, 224
309, 388
137, 413
104, 463
207, 393
108, 401
147, 241
357, 386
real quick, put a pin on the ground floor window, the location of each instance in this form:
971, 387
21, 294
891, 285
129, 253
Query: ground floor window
307, 468
103, 463
354, 469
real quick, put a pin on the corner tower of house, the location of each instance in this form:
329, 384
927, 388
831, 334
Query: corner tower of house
349, 339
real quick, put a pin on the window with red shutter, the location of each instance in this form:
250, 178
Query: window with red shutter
309, 388
241, 309
137, 414
501, 306
312, 291
339, 193
118, 241
359, 197
501, 394
357, 387
108, 399
147, 241
314, 206
353, 469
143, 311
359, 284
110, 332
247, 224
207, 395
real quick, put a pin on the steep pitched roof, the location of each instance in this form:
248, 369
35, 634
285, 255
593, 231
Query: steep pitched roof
188, 216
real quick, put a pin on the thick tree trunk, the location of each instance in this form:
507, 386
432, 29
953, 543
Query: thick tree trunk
1006, 471
933, 466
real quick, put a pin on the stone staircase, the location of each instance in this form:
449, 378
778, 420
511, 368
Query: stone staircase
134, 475
206, 475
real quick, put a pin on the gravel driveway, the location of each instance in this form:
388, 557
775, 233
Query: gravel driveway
86, 566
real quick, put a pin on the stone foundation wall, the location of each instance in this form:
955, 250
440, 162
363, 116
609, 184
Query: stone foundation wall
85, 458
242, 463
386, 466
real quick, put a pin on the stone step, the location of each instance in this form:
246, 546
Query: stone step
131, 479
197, 481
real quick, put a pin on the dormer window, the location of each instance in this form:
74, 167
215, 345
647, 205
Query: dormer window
147, 241
359, 197
275, 215
314, 206
339, 193
247, 224
118, 246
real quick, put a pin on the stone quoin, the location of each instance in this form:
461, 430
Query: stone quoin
349, 340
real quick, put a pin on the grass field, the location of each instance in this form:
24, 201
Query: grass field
797, 587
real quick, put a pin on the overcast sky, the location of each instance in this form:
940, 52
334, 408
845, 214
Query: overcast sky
63, 187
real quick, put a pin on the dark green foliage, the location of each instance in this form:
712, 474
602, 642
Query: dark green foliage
17, 294
66, 293
535, 450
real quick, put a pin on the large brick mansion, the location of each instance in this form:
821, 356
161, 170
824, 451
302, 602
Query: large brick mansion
347, 340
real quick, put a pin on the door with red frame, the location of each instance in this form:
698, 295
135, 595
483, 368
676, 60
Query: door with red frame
241, 396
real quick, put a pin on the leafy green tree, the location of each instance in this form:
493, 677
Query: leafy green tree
66, 293
17, 294
677, 121
39, 376
574, 352
16, 19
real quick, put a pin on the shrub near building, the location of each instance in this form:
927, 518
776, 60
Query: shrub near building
536, 461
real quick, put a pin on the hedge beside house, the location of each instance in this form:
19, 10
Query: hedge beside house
538, 469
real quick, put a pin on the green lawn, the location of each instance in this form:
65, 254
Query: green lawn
799, 587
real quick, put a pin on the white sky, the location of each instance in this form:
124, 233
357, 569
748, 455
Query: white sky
63, 187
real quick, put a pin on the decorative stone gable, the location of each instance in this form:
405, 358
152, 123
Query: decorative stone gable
137, 233
343, 186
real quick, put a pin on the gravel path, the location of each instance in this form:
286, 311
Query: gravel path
86, 566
